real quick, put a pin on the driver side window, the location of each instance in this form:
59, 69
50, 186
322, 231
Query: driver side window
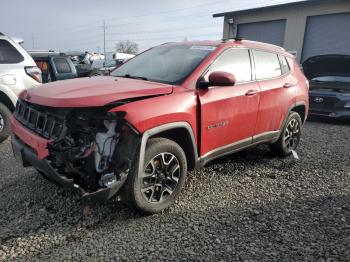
235, 61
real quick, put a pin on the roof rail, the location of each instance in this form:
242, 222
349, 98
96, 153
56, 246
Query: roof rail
168, 43
272, 45
237, 38
43, 51
1, 33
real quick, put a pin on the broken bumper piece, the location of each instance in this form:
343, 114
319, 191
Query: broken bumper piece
27, 157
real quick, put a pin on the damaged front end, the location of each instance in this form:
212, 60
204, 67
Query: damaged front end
89, 148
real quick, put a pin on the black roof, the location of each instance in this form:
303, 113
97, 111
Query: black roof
298, 3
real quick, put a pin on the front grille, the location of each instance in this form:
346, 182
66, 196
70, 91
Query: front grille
40, 121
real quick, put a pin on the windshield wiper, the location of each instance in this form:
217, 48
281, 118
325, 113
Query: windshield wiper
134, 77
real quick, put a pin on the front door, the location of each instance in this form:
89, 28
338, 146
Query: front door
228, 114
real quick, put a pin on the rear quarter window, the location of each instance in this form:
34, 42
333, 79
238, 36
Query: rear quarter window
62, 65
9, 54
267, 65
284, 65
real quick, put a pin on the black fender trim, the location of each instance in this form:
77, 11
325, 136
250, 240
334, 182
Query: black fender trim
159, 129
299, 103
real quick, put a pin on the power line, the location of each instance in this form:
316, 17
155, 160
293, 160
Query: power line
165, 38
136, 18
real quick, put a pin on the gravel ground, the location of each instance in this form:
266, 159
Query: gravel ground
247, 206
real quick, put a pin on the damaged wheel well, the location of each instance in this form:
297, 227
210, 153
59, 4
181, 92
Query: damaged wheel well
182, 137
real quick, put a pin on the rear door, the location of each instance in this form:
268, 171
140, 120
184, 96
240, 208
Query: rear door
228, 114
277, 90
63, 68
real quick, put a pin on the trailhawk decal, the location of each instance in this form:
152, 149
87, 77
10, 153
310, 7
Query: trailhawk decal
221, 124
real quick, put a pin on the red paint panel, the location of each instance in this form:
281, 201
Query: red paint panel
93, 92
227, 115
181, 106
37, 143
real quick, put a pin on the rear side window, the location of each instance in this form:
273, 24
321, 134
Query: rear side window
267, 65
234, 61
284, 65
62, 65
9, 54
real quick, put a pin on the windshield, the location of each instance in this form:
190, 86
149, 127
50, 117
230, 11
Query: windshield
343, 79
170, 64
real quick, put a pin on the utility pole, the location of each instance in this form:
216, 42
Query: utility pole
104, 39
33, 41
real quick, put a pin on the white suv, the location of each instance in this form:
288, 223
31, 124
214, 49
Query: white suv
18, 71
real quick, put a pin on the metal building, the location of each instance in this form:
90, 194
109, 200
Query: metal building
307, 28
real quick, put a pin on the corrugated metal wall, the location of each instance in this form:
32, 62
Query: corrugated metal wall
269, 31
327, 34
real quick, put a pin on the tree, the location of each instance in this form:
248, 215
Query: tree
127, 47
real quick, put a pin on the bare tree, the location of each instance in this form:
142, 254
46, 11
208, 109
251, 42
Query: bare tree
127, 47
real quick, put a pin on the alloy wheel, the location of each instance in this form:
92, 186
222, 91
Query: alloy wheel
292, 134
160, 178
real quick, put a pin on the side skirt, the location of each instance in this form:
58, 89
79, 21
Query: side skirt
268, 137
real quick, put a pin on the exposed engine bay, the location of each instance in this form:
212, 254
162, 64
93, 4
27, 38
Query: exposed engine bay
92, 146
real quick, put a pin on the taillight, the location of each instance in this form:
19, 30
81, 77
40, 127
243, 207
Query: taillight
34, 72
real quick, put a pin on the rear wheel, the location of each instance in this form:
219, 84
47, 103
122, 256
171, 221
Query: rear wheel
160, 182
290, 136
5, 115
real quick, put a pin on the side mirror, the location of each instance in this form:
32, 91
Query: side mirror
220, 78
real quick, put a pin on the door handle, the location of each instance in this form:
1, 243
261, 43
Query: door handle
251, 92
287, 85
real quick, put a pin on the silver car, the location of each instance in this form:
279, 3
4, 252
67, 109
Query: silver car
18, 72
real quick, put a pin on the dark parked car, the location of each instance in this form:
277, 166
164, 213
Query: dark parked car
54, 65
329, 77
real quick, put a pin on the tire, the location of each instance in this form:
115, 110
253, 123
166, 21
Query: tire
5, 115
290, 136
156, 189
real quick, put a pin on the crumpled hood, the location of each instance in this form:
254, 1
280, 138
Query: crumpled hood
93, 92
327, 65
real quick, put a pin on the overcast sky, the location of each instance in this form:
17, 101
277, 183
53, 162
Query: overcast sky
68, 25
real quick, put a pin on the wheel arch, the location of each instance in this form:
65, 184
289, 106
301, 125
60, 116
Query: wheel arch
300, 108
179, 132
6, 101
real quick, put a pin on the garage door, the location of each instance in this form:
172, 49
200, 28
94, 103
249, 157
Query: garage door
327, 34
270, 31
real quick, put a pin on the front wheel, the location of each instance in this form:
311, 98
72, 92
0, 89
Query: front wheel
162, 177
290, 136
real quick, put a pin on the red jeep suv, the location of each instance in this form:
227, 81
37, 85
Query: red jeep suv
173, 108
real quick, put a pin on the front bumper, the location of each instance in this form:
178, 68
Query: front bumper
338, 114
34, 152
